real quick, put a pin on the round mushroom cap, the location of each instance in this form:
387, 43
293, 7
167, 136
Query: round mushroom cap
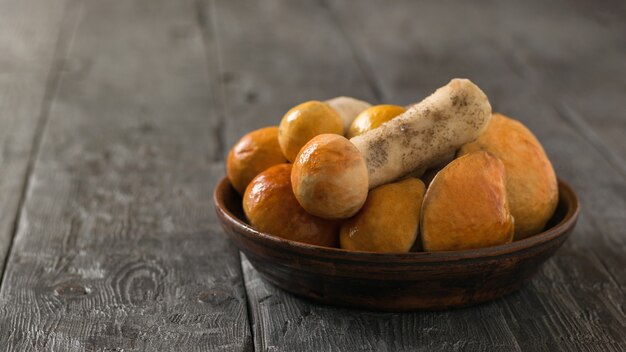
329, 177
466, 205
304, 122
271, 207
388, 221
253, 153
531, 183
348, 109
373, 117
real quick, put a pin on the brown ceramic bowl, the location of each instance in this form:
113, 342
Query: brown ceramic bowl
395, 282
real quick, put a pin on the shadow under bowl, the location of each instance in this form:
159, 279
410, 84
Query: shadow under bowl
396, 281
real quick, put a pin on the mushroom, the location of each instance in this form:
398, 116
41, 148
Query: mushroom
329, 177
270, 206
388, 221
253, 153
531, 184
336, 186
348, 109
372, 118
304, 122
466, 205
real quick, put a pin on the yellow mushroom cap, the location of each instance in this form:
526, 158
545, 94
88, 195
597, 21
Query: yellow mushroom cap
270, 206
466, 205
373, 117
304, 122
531, 183
253, 153
388, 221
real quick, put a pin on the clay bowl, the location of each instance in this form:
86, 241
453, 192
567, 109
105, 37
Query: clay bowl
395, 282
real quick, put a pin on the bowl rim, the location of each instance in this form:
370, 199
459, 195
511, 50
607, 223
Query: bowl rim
566, 195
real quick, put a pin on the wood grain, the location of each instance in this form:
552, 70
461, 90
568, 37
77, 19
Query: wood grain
117, 247
282, 322
577, 302
28, 42
274, 55
575, 51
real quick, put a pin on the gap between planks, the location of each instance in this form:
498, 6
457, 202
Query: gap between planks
573, 118
189, 209
210, 38
67, 33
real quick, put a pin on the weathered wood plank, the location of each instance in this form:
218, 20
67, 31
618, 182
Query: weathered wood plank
576, 302
577, 50
276, 54
117, 247
28, 37
282, 322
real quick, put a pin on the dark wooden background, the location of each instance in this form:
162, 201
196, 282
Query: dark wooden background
116, 116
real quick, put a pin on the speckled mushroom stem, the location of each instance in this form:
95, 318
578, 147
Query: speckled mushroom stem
426, 133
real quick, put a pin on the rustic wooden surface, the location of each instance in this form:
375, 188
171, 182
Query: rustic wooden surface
115, 117
28, 39
117, 246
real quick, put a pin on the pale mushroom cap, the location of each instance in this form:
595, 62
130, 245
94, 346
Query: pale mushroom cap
329, 177
348, 109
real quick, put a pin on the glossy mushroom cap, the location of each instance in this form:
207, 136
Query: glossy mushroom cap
270, 206
304, 122
253, 153
372, 118
329, 177
466, 206
531, 183
388, 221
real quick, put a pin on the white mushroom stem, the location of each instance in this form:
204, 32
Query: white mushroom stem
426, 133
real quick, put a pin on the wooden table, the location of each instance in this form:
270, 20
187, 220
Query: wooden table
116, 116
